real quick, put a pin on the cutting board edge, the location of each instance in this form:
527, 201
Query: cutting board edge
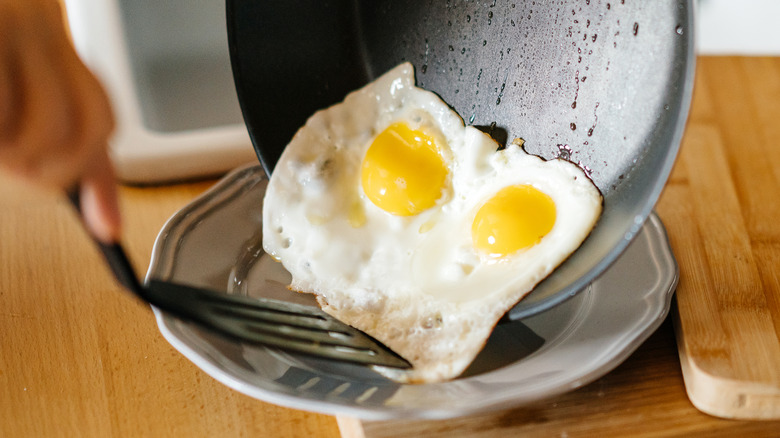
724, 397
350, 427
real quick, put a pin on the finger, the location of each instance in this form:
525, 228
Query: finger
92, 117
99, 202
64, 112
7, 96
62, 115
43, 112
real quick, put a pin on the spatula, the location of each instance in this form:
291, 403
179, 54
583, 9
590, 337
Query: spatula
287, 326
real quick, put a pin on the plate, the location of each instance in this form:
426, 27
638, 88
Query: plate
216, 242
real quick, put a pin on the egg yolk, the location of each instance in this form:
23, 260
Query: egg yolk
403, 172
517, 217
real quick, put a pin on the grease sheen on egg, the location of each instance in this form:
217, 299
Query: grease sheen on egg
413, 227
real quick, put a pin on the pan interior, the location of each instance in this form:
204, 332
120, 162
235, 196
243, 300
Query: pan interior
604, 84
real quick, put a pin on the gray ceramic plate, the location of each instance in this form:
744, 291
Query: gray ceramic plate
215, 242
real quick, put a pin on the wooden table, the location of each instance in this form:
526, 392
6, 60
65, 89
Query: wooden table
78, 358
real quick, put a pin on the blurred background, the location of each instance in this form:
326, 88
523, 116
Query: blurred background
167, 68
747, 27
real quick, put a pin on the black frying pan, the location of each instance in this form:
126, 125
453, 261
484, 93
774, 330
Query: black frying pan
605, 84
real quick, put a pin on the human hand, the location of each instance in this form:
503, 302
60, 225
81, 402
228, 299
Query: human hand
55, 118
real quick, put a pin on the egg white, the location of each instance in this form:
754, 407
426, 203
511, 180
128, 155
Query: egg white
415, 283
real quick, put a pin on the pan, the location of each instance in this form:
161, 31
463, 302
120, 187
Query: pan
604, 84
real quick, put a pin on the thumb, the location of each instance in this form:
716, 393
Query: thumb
99, 201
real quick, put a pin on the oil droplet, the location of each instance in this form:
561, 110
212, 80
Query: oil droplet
577, 81
636, 28
574, 104
424, 68
679, 30
501, 93
451, 49
468, 18
594, 37
572, 126
564, 152
436, 321
595, 119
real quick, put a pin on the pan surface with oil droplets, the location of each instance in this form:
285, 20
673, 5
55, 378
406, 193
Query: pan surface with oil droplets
604, 84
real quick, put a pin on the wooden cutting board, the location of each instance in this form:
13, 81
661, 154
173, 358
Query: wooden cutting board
722, 211
721, 208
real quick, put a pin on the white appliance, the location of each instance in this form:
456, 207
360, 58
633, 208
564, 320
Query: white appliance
166, 67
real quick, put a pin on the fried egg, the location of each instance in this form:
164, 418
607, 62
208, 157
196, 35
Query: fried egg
415, 228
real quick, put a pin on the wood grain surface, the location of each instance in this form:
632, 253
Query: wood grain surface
80, 358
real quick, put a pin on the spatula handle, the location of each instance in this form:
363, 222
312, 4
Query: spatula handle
113, 253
